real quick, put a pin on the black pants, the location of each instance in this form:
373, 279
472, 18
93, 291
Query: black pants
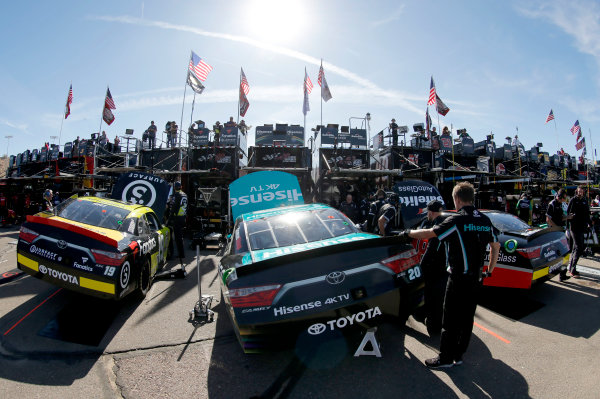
577, 249
460, 303
178, 225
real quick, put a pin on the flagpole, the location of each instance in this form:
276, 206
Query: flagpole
63, 119
591, 145
102, 113
321, 90
60, 132
239, 95
556, 130
181, 120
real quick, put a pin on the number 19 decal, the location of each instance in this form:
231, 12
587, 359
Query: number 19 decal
414, 273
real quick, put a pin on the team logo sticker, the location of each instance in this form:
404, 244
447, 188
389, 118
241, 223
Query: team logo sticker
510, 246
139, 192
125, 273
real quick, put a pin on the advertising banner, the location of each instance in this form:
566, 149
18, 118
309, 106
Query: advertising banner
199, 137
68, 149
228, 136
264, 135
143, 189
264, 190
328, 135
414, 196
358, 137
295, 136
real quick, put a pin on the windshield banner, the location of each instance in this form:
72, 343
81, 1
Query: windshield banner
264, 190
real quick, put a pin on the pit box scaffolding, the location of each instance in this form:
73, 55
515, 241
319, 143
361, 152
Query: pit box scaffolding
209, 219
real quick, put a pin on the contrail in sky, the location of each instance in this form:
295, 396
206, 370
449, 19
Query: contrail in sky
374, 89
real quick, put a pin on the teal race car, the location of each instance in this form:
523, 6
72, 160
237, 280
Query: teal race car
307, 269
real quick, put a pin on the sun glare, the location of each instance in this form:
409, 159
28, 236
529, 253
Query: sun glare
275, 21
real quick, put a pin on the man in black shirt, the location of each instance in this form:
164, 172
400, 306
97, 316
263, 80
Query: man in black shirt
433, 265
178, 212
349, 208
386, 218
578, 225
467, 234
394, 131
555, 217
374, 210
523, 206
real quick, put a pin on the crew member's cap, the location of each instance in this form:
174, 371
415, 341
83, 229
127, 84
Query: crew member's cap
435, 206
177, 185
393, 120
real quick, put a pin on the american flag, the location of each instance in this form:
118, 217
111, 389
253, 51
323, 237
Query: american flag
325, 92
199, 68
431, 100
108, 102
308, 85
69, 101
307, 89
321, 76
575, 129
550, 116
244, 83
580, 145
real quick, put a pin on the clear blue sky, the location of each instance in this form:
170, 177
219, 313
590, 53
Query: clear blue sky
496, 64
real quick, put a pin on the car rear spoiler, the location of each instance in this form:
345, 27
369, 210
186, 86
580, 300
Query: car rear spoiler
74, 228
535, 235
395, 243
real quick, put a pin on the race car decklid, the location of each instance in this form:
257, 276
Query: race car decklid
74, 227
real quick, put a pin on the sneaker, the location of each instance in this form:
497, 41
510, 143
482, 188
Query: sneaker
436, 363
574, 274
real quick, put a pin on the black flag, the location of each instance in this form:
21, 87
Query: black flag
442, 108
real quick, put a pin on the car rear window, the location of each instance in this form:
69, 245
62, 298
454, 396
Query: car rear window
92, 213
507, 222
295, 228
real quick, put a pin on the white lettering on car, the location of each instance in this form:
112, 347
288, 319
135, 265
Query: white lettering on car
345, 321
58, 274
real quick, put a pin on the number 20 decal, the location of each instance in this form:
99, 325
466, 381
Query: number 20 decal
414, 273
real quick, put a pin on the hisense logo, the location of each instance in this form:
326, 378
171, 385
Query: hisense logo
290, 195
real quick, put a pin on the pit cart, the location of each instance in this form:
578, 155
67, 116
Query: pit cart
208, 224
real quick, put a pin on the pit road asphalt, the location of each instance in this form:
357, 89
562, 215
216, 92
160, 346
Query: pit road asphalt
150, 349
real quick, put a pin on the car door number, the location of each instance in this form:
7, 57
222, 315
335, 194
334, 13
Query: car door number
414, 273
109, 271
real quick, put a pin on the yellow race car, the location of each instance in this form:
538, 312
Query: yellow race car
98, 246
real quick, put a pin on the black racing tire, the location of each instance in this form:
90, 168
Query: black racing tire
144, 279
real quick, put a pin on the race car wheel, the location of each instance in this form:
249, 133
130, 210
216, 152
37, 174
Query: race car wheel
144, 279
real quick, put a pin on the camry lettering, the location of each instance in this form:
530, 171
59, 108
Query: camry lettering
345, 321
42, 252
58, 275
